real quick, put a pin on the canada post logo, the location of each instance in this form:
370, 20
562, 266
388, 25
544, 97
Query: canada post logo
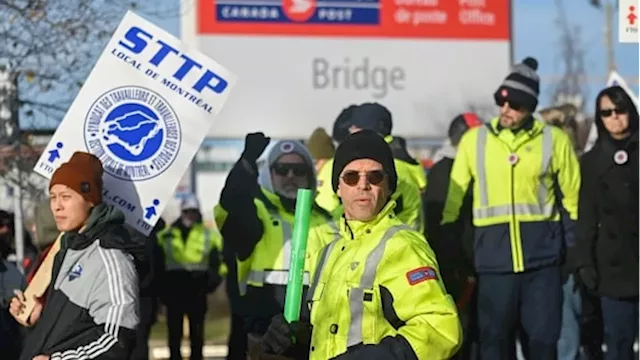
362, 12
134, 132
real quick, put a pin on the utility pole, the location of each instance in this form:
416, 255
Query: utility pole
609, 41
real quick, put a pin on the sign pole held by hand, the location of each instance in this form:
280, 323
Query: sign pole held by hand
293, 297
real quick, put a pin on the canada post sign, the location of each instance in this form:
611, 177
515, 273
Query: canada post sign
144, 111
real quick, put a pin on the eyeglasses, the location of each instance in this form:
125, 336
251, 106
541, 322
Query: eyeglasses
352, 178
511, 104
296, 169
609, 112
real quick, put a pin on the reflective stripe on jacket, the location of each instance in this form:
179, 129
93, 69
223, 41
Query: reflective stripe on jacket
379, 285
519, 180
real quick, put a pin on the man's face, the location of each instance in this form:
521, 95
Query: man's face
69, 209
288, 174
189, 217
512, 114
364, 189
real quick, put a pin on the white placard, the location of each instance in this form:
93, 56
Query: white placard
144, 111
628, 18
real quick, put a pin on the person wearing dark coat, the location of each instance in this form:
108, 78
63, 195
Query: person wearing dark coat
456, 265
607, 228
150, 273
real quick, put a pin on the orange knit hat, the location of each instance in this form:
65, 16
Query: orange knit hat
83, 174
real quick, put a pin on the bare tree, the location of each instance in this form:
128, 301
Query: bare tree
572, 87
50, 46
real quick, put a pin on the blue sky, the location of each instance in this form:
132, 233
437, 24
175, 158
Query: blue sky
536, 33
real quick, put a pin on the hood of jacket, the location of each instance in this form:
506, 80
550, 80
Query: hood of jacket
106, 223
446, 151
46, 229
273, 152
604, 137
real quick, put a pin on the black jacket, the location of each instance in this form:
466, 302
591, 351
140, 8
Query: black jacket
455, 257
91, 308
607, 231
242, 231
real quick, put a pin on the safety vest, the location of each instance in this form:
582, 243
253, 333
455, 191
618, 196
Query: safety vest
514, 204
270, 260
325, 197
345, 297
413, 172
189, 255
407, 194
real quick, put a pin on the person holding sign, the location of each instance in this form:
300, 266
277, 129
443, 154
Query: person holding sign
377, 292
91, 304
258, 223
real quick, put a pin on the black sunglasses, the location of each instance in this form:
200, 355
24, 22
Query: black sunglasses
514, 105
609, 112
284, 169
352, 178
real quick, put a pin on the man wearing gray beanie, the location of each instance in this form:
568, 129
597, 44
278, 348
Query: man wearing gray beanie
376, 292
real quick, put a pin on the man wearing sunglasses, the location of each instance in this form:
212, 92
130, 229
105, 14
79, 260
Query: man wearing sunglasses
411, 178
523, 173
376, 291
258, 202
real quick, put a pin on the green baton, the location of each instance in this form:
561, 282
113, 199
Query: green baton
293, 297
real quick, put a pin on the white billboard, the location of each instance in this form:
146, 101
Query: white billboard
303, 61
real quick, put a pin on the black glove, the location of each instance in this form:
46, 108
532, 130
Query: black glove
282, 336
254, 145
588, 277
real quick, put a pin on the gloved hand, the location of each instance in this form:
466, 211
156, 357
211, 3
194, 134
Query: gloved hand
282, 336
588, 277
254, 145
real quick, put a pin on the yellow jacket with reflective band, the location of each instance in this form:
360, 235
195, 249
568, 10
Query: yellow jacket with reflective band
515, 209
407, 194
414, 172
270, 260
350, 276
192, 254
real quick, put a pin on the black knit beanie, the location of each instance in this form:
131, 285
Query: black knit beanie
522, 85
365, 144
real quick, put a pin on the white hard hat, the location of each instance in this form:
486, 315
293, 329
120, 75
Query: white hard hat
190, 202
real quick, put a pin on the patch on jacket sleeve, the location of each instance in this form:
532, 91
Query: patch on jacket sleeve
421, 274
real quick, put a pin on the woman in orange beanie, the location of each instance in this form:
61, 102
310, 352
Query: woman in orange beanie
91, 307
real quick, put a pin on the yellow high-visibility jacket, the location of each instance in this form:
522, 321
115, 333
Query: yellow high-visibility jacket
516, 211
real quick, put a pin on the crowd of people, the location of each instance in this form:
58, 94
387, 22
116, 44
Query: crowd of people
514, 236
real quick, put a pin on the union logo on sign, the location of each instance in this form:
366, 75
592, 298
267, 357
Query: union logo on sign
134, 132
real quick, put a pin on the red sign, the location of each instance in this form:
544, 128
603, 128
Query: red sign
425, 19
632, 16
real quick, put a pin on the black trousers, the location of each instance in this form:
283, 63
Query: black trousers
148, 312
237, 342
195, 308
531, 301
621, 326
591, 326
